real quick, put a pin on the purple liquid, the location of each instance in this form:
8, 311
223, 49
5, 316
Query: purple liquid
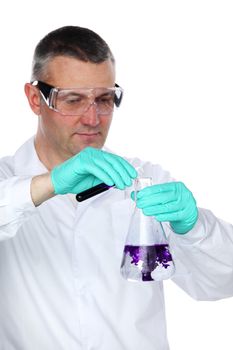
150, 257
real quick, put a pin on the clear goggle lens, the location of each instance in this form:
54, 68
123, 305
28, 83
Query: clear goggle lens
78, 100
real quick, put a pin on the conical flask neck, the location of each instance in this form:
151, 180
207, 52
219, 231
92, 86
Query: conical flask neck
142, 182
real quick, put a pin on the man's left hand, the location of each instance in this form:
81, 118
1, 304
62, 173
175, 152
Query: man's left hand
171, 202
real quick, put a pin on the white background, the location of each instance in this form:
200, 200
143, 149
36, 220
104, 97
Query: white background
175, 62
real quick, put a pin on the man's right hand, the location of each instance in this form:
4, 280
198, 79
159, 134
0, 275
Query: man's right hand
90, 167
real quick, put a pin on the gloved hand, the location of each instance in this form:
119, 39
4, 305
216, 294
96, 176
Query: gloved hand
90, 167
171, 202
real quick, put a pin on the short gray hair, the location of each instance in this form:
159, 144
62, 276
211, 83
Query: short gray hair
71, 41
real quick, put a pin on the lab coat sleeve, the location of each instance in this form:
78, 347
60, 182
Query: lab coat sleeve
204, 258
16, 205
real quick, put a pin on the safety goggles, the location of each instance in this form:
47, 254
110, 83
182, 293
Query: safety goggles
76, 101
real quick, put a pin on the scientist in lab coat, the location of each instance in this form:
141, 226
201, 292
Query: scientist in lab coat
60, 284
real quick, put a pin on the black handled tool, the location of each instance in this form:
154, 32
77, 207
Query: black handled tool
82, 196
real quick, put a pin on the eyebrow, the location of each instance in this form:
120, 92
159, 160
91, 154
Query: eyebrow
71, 92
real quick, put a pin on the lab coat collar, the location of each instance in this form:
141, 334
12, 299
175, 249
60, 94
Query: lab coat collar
26, 160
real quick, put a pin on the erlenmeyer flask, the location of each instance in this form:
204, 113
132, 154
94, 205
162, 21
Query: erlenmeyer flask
146, 255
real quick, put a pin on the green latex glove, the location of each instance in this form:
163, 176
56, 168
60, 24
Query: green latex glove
171, 202
90, 167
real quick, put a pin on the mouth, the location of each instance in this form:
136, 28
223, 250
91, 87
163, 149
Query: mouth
88, 133
88, 136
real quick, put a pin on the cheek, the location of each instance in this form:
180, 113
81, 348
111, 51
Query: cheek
56, 123
106, 122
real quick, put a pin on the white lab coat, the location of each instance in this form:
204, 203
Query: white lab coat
60, 282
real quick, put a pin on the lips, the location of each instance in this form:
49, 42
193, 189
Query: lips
88, 134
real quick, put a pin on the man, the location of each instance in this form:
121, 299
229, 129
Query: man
60, 283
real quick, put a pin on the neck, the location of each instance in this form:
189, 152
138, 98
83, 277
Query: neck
47, 154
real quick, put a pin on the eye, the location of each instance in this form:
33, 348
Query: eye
71, 98
106, 98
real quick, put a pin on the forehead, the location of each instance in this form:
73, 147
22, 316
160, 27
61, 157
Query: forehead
70, 72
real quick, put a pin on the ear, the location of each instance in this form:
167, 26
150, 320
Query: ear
33, 96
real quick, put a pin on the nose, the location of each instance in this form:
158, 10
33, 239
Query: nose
90, 117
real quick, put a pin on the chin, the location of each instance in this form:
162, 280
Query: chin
79, 148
